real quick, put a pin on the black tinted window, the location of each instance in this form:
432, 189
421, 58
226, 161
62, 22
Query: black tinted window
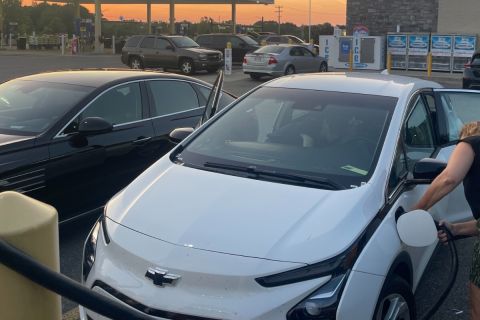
220, 41
162, 44
119, 105
204, 40
171, 96
133, 41
225, 98
148, 43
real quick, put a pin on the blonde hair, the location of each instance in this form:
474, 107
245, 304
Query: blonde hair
470, 129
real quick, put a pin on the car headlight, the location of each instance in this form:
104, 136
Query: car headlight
90, 246
323, 303
202, 56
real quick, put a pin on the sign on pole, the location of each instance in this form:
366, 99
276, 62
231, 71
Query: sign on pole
356, 50
228, 60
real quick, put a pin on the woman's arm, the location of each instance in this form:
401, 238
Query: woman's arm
457, 168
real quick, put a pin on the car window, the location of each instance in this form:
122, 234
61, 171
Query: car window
148, 43
296, 52
419, 139
162, 44
220, 41
399, 168
225, 98
459, 108
170, 96
270, 49
273, 39
133, 41
35, 106
236, 42
306, 52
204, 40
300, 132
475, 60
248, 40
119, 105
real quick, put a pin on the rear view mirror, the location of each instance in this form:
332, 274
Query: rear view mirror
94, 125
179, 134
417, 229
428, 169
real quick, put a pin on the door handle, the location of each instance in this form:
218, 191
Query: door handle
142, 140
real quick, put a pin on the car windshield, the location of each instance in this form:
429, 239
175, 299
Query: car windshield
184, 42
270, 49
332, 136
31, 107
295, 39
248, 40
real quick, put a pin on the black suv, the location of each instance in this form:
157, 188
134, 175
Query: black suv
241, 44
471, 73
174, 52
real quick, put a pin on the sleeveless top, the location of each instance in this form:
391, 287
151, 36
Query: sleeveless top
471, 182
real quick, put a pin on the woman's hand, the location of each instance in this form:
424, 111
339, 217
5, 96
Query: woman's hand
442, 235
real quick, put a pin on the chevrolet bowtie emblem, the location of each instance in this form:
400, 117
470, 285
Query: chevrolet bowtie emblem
161, 277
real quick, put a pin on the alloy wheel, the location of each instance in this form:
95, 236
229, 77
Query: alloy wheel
186, 67
393, 307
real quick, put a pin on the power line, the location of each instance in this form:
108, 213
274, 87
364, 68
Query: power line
279, 13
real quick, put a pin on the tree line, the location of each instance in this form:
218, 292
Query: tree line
45, 18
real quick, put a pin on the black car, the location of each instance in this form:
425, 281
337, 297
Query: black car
241, 44
471, 73
74, 139
169, 52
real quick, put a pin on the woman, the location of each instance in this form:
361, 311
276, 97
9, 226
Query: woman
464, 165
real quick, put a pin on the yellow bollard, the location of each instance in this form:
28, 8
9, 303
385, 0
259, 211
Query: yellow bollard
389, 62
429, 64
263, 43
229, 45
32, 227
350, 61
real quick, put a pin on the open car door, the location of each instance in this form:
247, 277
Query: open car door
213, 100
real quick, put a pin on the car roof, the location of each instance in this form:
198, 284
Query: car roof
99, 77
355, 82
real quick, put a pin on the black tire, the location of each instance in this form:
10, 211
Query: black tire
323, 67
186, 66
393, 289
290, 70
135, 63
255, 76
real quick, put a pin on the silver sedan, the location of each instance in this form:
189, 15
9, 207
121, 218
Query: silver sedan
282, 59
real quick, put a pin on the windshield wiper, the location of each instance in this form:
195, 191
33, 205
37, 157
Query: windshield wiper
322, 182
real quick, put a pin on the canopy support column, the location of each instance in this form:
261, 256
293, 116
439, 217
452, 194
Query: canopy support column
98, 26
234, 16
172, 16
149, 16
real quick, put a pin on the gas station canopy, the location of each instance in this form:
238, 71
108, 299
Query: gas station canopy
169, 1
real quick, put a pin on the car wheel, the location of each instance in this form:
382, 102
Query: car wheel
186, 66
396, 301
290, 70
255, 76
136, 63
323, 67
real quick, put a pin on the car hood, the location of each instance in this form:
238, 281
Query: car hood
201, 50
241, 216
9, 142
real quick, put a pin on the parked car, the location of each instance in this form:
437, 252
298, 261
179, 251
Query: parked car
285, 39
74, 139
278, 60
471, 73
241, 44
284, 205
170, 52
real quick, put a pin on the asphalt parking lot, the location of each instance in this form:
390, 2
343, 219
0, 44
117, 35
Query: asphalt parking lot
14, 64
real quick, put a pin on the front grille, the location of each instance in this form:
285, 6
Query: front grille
143, 308
213, 57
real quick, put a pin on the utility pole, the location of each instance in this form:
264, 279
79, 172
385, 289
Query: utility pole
309, 21
262, 23
279, 13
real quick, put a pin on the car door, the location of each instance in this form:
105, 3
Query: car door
86, 170
166, 55
310, 61
239, 49
148, 52
454, 109
174, 104
296, 59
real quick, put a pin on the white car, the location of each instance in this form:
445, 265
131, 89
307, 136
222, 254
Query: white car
284, 205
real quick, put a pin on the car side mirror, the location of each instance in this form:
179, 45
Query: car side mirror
179, 134
94, 125
428, 169
417, 229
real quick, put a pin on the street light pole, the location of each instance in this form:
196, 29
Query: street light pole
309, 21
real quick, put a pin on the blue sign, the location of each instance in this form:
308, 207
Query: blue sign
345, 45
441, 45
418, 44
397, 44
464, 46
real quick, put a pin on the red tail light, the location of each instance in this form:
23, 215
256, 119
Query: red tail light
272, 60
244, 60
467, 65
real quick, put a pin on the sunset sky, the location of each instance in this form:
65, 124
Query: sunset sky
295, 11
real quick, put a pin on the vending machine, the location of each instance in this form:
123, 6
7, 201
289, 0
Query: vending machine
397, 47
441, 49
418, 48
463, 48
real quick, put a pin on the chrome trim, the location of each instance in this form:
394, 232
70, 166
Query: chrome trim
457, 90
60, 135
172, 114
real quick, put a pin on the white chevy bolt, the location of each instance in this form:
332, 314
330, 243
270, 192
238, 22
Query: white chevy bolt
284, 205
